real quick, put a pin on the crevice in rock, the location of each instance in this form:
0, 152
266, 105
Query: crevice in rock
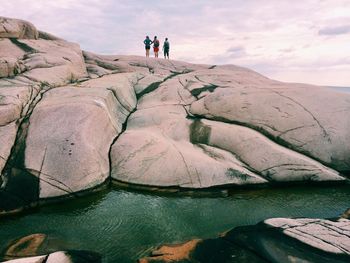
116, 97
199, 134
152, 87
139, 65
198, 91
149, 89
14, 173
277, 139
23, 46
293, 129
69, 191
114, 140
325, 133
46, 258
42, 165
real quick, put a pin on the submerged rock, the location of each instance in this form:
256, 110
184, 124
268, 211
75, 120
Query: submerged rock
25, 247
71, 256
36, 248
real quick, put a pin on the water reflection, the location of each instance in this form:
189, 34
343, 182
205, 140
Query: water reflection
123, 225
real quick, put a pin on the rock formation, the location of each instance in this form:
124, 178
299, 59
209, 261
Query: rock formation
35, 249
72, 256
274, 240
72, 120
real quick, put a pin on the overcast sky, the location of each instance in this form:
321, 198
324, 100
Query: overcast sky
297, 41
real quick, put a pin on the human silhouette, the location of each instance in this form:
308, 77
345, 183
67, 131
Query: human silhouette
166, 48
148, 44
155, 46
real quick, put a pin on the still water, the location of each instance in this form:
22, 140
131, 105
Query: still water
124, 225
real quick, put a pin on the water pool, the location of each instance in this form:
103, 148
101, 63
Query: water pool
123, 225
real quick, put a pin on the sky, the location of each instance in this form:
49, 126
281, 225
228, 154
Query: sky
295, 41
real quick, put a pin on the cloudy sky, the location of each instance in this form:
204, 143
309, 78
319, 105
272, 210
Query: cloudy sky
297, 41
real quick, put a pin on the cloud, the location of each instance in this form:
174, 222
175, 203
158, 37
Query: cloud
336, 30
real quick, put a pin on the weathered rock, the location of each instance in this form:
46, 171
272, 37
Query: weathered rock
122, 86
10, 58
326, 235
54, 62
274, 240
48, 59
270, 160
160, 130
7, 140
173, 253
15, 102
260, 131
69, 137
155, 150
48, 36
16, 28
308, 119
71, 256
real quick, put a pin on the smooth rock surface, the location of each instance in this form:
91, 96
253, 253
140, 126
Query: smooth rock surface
308, 119
69, 137
272, 161
160, 154
16, 28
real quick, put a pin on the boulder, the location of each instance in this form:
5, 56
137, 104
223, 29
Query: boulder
274, 240
122, 86
52, 61
16, 28
308, 119
69, 137
273, 162
156, 151
10, 59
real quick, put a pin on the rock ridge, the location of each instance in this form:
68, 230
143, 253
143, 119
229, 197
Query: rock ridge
72, 121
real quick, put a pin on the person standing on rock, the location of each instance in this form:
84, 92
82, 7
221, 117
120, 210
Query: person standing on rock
166, 47
148, 44
155, 46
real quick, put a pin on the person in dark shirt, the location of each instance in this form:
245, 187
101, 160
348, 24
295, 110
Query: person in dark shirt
148, 44
166, 48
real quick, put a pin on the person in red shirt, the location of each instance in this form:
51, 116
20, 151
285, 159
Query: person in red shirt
155, 46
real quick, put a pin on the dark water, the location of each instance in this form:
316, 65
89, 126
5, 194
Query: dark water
123, 225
